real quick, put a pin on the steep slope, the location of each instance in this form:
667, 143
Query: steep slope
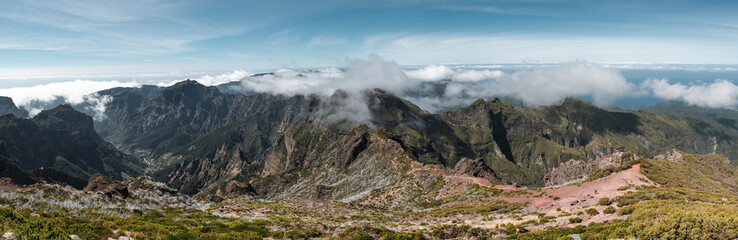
7, 106
10, 168
61, 144
207, 141
288, 143
236, 150
150, 122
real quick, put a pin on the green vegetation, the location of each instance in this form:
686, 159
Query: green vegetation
170, 223
609, 210
592, 211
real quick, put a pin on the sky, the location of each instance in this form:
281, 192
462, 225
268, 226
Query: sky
52, 40
614, 53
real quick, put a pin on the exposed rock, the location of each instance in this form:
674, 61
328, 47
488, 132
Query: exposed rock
107, 185
568, 171
475, 168
236, 188
323, 192
355, 146
674, 155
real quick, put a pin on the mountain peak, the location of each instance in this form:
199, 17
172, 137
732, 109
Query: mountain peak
574, 101
188, 91
64, 117
7, 106
188, 82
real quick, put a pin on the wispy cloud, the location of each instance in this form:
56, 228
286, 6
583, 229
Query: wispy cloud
282, 37
116, 28
512, 47
322, 41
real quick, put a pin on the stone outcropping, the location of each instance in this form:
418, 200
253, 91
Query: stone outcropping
475, 168
108, 186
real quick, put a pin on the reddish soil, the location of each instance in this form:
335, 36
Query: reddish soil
6, 184
585, 194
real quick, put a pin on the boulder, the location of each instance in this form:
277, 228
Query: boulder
108, 186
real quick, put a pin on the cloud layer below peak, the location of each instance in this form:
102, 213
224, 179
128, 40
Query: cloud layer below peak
433, 87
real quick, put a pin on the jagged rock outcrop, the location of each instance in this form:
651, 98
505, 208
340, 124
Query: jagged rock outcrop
568, 171
236, 188
108, 186
475, 168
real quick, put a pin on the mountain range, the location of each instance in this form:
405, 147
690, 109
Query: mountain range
212, 143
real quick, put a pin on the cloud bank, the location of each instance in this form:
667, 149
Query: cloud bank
434, 88
718, 94
83, 93
438, 87
37, 98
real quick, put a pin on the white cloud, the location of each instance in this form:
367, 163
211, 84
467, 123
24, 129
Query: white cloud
37, 98
545, 86
73, 92
97, 105
535, 86
432, 73
236, 75
360, 74
434, 87
718, 94
441, 72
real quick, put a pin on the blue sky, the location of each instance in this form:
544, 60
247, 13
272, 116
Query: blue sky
56, 39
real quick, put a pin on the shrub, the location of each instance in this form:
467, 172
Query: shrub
626, 210
592, 211
361, 236
575, 220
609, 210
604, 201
622, 202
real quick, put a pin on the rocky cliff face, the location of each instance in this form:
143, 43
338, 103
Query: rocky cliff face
60, 144
151, 123
475, 168
208, 142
